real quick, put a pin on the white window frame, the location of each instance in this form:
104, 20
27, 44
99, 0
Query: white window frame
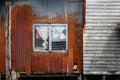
50, 42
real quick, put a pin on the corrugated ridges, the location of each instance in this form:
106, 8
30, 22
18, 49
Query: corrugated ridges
102, 39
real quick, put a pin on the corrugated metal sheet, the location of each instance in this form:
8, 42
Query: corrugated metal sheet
2, 44
101, 37
25, 13
2, 38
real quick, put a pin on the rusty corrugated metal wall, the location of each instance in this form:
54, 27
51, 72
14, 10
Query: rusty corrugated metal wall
2, 38
25, 13
102, 37
2, 44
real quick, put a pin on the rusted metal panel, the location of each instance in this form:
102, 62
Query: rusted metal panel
2, 44
2, 38
25, 13
49, 63
21, 37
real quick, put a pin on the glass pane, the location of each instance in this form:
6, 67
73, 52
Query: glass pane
41, 41
58, 34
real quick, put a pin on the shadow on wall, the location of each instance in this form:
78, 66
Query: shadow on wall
100, 77
107, 61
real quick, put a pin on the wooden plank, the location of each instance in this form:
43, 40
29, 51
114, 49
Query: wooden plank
8, 41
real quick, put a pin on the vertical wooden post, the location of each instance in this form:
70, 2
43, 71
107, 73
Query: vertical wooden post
104, 77
8, 43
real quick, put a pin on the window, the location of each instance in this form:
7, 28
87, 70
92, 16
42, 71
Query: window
50, 37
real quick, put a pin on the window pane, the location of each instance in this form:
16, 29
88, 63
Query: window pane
41, 39
58, 34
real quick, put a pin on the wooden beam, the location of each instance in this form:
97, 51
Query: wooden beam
8, 43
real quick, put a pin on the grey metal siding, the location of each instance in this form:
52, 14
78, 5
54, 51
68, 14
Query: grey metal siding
101, 44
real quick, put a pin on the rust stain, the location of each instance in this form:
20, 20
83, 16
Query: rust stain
21, 39
73, 40
2, 44
24, 59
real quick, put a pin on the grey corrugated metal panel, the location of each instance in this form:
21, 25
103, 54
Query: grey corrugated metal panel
106, 17
97, 3
104, 6
102, 11
100, 66
100, 48
103, 66
107, 59
101, 24
103, 31
101, 42
87, 62
102, 21
101, 55
101, 45
101, 4
115, 29
103, 69
115, 17
97, 72
101, 7
99, 52
102, 27
103, 1
95, 35
116, 45
102, 38
103, 35
103, 14
101, 63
